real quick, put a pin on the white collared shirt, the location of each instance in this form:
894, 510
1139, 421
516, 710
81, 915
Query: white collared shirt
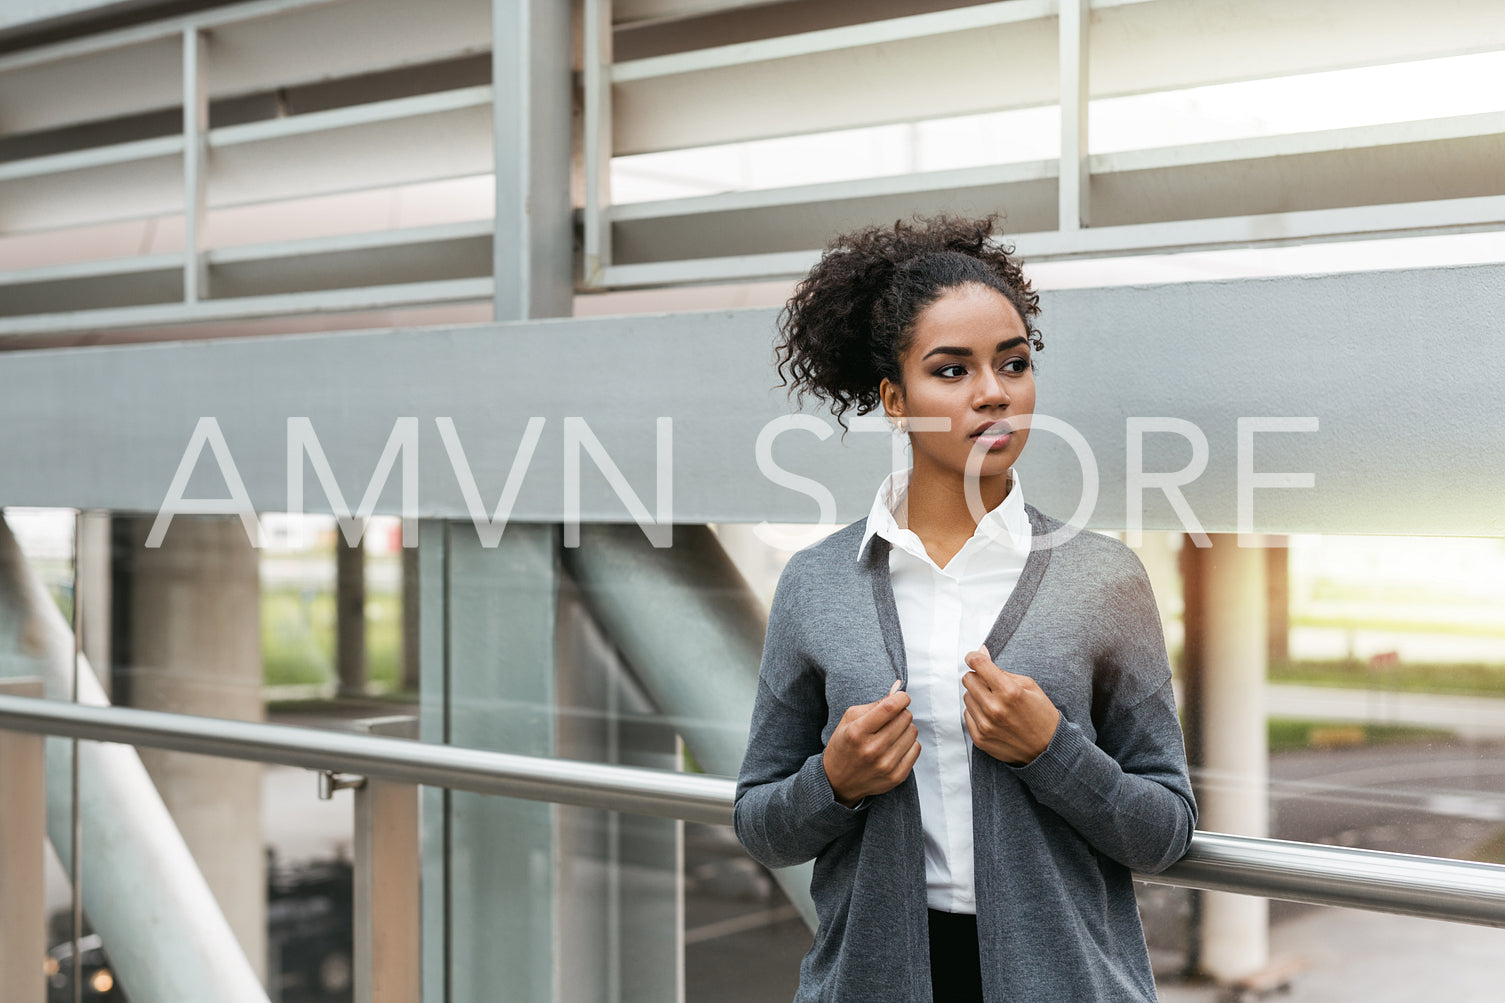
943, 614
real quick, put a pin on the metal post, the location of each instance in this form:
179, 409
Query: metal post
350, 614
597, 139
1075, 16
533, 241
195, 164
23, 827
387, 927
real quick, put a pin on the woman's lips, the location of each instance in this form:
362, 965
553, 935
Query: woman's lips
994, 437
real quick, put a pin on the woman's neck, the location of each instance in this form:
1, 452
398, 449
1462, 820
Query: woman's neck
935, 509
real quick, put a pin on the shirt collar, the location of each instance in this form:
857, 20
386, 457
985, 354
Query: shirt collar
1007, 525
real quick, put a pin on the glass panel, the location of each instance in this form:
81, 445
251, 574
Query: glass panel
1385, 665
743, 938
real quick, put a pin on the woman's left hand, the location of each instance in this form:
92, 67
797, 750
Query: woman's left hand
1009, 716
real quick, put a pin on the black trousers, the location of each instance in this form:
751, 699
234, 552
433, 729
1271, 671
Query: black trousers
955, 968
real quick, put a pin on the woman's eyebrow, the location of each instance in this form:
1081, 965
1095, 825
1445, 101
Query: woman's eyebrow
1003, 346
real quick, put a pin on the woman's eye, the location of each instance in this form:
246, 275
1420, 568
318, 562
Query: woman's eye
953, 370
1016, 365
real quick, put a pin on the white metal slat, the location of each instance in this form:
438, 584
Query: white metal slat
869, 75
1407, 219
288, 304
256, 47
424, 138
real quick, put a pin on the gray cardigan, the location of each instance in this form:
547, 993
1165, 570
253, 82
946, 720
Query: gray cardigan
1054, 841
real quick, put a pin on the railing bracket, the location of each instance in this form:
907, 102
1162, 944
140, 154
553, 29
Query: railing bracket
330, 781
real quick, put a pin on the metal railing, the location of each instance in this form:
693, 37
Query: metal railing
1436, 888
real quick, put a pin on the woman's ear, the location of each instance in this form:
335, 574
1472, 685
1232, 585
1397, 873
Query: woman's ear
892, 397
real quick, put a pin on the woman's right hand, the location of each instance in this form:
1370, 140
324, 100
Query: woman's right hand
872, 749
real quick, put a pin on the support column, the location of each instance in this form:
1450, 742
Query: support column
1159, 554
1225, 660
195, 164
350, 615
411, 653
491, 913
23, 831
1278, 571
141, 886
1074, 179
93, 582
196, 649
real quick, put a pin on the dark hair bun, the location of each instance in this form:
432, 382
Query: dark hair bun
850, 319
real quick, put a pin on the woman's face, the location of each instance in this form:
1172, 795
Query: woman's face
969, 362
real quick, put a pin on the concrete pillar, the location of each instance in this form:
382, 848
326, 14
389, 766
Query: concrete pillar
1278, 573
1224, 686
196, 649
350, 616
23, 832
141, 886
1159, 554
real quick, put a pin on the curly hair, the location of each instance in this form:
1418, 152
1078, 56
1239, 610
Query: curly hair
851, 319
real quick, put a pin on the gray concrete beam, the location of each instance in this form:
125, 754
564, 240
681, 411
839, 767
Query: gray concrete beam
1398, 369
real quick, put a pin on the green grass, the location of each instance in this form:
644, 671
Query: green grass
297, 638
1397, 625
1288, 734
1328, 590
1410, 677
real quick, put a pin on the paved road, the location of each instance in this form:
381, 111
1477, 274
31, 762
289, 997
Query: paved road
1470, 717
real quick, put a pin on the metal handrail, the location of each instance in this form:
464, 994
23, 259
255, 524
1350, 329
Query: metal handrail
1431, 887
566, 781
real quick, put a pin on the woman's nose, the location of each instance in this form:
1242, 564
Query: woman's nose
991, 390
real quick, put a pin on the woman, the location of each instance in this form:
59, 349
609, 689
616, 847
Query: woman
964, 715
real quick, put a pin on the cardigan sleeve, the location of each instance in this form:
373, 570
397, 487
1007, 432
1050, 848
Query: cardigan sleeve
1128, 793
786, 812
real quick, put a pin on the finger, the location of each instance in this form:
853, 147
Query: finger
984, 666
978, 709
854, 714
891, 732
975, 682
971, 724
895, 753
895, 772
907, 763
876, 715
